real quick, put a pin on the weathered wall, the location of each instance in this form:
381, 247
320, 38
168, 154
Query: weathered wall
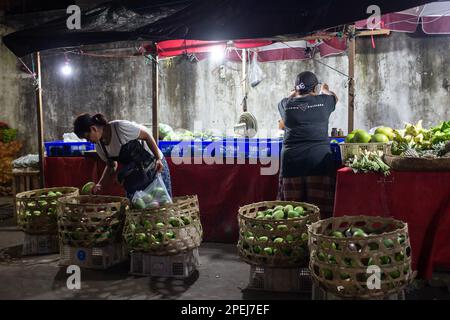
16, 96
402, 79
118, 88
196, 92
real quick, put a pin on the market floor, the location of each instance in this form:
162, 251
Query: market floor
221, 275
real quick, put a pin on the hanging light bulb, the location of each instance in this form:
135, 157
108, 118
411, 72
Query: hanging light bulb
218, 53
66, 69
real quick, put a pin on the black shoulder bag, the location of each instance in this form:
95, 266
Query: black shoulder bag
138, 165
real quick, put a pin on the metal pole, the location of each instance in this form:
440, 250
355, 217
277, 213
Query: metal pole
155, 86
351, 81
244, 74
40, 120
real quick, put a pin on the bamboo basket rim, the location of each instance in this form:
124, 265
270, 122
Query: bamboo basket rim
264, 204
404, 227
22, 195
120, 200
166, 206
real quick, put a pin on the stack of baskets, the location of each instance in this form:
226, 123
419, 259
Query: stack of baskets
172, 230
36, 212
273, 239
90, 230
360, 257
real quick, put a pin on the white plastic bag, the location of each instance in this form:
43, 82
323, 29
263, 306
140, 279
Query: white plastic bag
256, 74
154, 196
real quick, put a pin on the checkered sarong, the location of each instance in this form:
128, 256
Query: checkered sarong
316, 190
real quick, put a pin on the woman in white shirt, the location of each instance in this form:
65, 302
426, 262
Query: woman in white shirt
110, 137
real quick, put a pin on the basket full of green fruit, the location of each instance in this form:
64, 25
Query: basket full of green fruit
91, 221
360, 257
36, 209
274, 233
168, 229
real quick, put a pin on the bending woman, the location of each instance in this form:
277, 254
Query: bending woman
110, 138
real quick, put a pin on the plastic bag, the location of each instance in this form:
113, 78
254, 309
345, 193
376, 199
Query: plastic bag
28, 161
72, 137
256, 74
154, 196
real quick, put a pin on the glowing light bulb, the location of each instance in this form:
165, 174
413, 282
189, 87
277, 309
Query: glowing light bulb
218, 53
66, 69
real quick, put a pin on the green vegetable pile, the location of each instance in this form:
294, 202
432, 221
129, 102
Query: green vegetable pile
415, 141
149, 233
368, 161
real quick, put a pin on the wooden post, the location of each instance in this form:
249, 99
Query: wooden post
351, 82
40, 119
155, 94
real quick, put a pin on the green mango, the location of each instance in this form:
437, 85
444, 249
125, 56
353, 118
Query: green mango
282, 227
58, 193
257, 249
269, 251
170, 235
385, 260
388, 243
359, 233
43, 203
328, 274
401, 239
399, 256
263, 239
159, 225
51, 194
337, 234
87, 188
394, 274
278, 215
293, 214
174, 221
321, 256
37, 213
147, 225
260, 215
300, 210
278, 208
278, 240
186, 220
289, 238
250, 238
304, 236
331, 259
139, 204
288, 208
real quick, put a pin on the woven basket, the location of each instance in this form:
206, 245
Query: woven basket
287, 254
400, 163
349, 150
169, 230
91, 221
36, 213
340, 265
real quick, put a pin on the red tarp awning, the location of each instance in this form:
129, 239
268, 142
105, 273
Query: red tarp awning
433, 17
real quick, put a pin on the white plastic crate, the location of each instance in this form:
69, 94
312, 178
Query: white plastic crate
280, 279
93, 258
349, 150
177, 266
40, 244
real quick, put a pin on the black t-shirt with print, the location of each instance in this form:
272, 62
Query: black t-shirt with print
306, 146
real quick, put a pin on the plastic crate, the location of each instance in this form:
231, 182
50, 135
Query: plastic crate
280, 279
177, 266
93, 258
40, 244
67, 149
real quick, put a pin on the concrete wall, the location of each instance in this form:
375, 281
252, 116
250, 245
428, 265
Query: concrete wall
16, 96
196, 92
402, 79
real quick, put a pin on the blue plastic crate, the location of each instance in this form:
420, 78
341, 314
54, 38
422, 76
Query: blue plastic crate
67, 149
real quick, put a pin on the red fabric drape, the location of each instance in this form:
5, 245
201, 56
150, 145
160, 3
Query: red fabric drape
221, 188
